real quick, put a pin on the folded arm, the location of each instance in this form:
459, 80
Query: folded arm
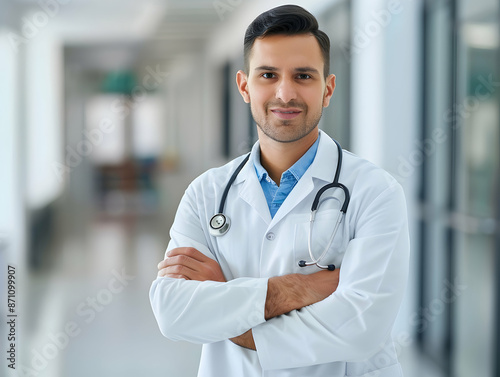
284, 293
191, 299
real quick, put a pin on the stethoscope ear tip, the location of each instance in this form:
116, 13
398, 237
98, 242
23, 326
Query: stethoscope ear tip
302, 263
331, 267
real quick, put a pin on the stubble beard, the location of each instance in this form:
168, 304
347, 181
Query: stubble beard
298, 132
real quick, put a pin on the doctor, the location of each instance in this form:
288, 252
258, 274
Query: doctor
242, 293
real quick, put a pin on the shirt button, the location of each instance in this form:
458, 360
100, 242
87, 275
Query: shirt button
270, 236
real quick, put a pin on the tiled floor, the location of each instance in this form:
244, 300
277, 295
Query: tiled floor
85, 321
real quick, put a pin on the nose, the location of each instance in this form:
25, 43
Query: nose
286, 91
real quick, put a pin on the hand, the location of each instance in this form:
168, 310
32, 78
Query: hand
190, 264
245, 340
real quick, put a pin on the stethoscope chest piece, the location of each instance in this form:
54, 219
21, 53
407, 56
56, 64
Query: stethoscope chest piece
219, 225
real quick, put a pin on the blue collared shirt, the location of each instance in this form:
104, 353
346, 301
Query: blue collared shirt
276, 195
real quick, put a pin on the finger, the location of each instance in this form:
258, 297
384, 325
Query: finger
172, 274
169, 261
179, 270
176, 276
162, 264
163, 272
181, 260
188, 251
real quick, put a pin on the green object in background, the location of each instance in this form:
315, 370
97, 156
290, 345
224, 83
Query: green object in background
119, 82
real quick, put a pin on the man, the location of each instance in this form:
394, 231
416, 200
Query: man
243, 294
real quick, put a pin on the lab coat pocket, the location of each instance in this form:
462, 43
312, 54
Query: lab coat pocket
322, 231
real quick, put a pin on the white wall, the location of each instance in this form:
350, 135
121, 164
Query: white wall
402, 128
8, 16
11, 192
12, 216
43, 116
367, 81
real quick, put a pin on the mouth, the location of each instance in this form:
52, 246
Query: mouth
286, 113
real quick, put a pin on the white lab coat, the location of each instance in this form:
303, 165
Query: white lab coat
348, 333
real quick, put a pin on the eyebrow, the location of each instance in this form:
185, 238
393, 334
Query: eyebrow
307, 70
266, 68
299, 69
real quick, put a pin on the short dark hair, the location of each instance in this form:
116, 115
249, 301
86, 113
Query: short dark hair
286, 20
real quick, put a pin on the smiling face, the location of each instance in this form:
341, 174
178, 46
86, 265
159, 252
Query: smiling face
285, 87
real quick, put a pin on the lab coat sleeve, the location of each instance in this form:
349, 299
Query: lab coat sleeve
354, 322
209, 311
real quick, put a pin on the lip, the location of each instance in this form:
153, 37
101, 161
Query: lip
286, 113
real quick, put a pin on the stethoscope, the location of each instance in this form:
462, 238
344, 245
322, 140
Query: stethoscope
220, 223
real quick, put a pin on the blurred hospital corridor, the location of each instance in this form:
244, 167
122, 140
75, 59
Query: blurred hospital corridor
110, 109
98, 279
95, 289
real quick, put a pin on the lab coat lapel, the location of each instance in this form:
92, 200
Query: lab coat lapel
321, 172
250, 189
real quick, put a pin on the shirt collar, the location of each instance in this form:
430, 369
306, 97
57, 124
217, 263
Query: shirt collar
259, 169
297, 170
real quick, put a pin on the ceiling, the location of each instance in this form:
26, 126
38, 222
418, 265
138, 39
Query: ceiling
113, 34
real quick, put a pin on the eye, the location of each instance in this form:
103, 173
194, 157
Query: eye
268, 75
303, 76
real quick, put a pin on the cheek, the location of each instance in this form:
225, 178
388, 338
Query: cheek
258, 100
316, 100
260, 94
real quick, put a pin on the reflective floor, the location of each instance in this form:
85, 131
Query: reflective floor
89, 312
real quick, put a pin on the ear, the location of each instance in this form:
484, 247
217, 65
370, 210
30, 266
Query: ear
242, 82
330, 87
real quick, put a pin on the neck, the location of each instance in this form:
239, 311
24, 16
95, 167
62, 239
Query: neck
277, 157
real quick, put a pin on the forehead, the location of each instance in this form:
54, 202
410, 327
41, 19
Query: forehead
287, 51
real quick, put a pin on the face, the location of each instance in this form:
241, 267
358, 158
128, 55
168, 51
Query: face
285, 86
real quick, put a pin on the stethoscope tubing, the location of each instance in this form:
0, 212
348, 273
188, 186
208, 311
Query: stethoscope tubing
224, 227
230, 183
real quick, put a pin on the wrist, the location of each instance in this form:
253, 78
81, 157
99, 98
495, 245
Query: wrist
284, 294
